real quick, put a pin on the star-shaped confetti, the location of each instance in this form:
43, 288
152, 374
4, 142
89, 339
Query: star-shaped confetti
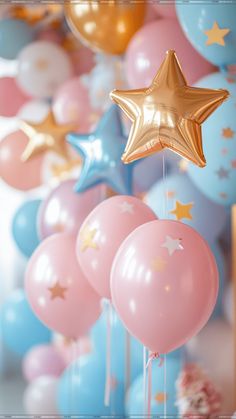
57, 291
160, 398
222, 173
87, 238
101, 153
216, 35
182, 210
228, 133
172, 245
167, 114
159, 264
126, 208
45, 136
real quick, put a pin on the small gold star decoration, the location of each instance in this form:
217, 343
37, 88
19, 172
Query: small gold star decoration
167, 114
159, 264
182, 210
87, 236
57, 291
45, 136
216, 35
61, 170
228, 133
160, 397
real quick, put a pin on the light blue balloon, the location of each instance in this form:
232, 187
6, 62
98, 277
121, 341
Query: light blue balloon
21, 329
218, 179
81, 389
118, 346
101, 152
208, 218
14, 36
220, 261
24, 227
195, 19
135, 401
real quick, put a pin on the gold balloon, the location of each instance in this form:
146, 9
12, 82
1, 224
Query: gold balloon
46, 136
168, 114
106, 26
34, 13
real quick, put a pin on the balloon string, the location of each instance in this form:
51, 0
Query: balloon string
165, 382
149, 387
151, 358
127, 361
108, 357
144, 378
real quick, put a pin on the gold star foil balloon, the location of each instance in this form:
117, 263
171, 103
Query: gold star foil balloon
46, 136
168, 114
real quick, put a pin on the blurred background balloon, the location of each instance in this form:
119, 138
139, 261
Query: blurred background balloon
42, 67
105, 27
160, 393
218, 178
124, 348
145, 55
57, 289
15, 35
211, 30
21, 329
24, 227
81, 389
165, 10
176, 197
42, 360
40, 396
65, 210
83, 59
228, 308
71, 104
222, 269
11, 98
25, 175
212, 347
34, 111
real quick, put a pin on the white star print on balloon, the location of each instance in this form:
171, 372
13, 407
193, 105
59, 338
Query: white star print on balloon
172, 245
126, 207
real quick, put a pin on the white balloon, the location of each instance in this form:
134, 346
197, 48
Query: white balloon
213, 348
40, 396
34, 111
42, 67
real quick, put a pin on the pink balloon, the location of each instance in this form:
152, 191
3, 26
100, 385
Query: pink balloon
72, 350
71, 104
164, 284
57, 289
42, 360
65, 210
102, 233
83, 60
50, 35
11, 97
147, 49
165, 10
18, 174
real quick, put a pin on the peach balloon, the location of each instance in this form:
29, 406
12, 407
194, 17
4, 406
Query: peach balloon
148, 47
13, 171
11, 97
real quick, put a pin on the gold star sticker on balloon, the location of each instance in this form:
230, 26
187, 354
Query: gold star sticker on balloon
45, 136
168, 114
216, 35
227, 133
160, 397
57, 291
87, 236
159, 264
182, 210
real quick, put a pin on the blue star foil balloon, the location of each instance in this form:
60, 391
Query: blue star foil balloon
101, 152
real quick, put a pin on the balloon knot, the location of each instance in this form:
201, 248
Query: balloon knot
152, 357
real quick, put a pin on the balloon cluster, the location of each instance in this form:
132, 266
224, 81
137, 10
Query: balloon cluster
160, 257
